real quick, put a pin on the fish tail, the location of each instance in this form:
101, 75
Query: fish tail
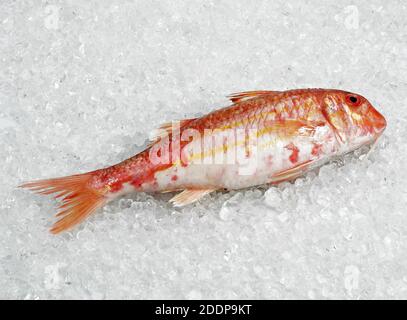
79, 198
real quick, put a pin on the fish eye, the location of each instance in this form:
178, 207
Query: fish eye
353, 100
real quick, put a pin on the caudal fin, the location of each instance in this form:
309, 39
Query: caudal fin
79, 199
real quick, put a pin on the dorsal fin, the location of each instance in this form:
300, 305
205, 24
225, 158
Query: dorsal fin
165, 129
246, 95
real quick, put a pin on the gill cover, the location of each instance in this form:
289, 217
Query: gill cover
336, 115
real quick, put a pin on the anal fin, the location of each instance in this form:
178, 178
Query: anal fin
189, 196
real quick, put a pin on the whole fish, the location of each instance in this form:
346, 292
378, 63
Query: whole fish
264, 137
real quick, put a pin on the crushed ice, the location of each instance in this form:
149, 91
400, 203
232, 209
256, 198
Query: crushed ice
83, 84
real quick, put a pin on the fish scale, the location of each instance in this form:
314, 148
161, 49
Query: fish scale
264, 137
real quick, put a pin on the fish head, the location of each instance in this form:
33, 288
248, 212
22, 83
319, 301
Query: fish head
353, 118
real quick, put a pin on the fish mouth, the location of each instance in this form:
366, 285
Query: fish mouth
379, 130
379, 123
378, 133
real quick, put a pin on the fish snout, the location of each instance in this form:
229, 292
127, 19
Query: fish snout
379, 122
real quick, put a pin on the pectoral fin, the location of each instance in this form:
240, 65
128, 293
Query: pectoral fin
291, 173
297, 171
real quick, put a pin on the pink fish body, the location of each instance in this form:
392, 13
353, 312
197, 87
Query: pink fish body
263, 137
